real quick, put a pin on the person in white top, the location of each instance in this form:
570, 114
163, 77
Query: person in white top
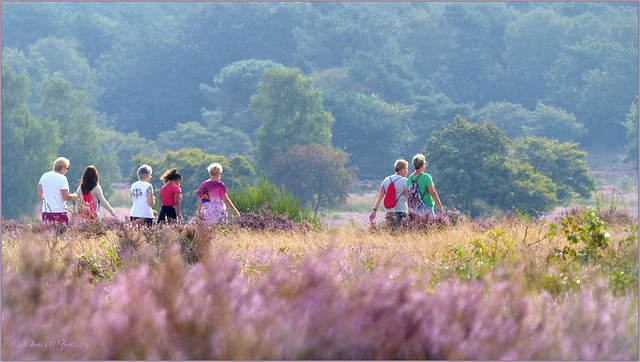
399, 180
143, 197
53, 190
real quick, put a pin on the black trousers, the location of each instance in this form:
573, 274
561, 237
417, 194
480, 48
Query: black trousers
168, 213
145, 220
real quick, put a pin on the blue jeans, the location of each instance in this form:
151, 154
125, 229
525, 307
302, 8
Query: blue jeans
423, 209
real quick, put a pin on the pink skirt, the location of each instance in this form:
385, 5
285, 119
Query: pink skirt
215, 212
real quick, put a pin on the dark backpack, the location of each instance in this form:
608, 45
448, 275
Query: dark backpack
415, 199
390, 198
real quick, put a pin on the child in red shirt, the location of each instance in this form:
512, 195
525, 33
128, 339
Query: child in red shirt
171, 195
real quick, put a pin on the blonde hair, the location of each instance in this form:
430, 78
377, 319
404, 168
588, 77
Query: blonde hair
214, 169
400, 164
418, 161
61, 162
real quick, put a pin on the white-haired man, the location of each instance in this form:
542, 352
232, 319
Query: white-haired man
53, 190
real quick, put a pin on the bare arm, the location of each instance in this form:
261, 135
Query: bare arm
436, 198
103, 201
372, 216
176, 201
151, 200
66, 196
227, 201
40, 192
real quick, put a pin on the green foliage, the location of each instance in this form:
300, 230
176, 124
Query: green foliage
587, 75
482, 169
574, 66
56, 57
624, 274
324, 179
264, 194
532, 44
561, 162
481, 257
430, 112
231, 92
192, 164
125, 146
511, 117
554, 123
631, 124
214, 139
81, 137
545, 121
365, 123
291, 111
29, 147
529, 191
228, 140
586, 239
470, 162
586, 230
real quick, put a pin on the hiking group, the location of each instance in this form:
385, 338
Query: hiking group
53, 190
400, 193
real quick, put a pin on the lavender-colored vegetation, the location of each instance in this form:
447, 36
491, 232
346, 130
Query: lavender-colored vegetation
172, 293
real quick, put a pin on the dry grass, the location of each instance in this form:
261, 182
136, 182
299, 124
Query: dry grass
221, 293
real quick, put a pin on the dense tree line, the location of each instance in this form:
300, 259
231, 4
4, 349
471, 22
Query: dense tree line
104, 82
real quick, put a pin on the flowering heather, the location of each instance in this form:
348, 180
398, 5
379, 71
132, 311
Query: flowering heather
267, 220
423, 222
198, 291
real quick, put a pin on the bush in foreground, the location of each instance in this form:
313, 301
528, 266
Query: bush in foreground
210, 310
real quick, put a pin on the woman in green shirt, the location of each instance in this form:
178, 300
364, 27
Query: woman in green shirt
425, 182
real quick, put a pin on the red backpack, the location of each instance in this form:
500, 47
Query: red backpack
390, 198
87, 207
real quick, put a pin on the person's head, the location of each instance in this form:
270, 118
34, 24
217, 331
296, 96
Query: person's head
401, 166
144, 171
90, 178
419, 161
61, 165
171, 175
215, 169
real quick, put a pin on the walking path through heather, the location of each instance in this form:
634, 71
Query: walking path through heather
345, 219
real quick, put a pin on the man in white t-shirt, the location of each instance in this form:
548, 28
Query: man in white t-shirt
142, 197
400, 182
53, 190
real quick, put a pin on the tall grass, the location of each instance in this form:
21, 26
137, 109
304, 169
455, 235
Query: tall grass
490, 289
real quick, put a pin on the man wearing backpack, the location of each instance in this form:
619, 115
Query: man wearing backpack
394, 191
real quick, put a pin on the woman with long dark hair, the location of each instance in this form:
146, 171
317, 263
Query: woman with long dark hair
90, 196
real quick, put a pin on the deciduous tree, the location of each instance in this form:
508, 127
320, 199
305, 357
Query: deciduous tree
561, 162
29, 146
474, 173
315, 174
291, 111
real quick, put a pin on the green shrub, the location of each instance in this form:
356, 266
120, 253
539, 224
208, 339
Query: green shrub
265, 194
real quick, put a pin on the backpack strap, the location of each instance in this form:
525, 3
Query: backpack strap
425, 190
